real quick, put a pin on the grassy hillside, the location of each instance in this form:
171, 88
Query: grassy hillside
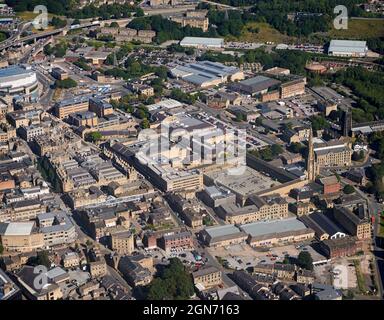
360, 29
260, 32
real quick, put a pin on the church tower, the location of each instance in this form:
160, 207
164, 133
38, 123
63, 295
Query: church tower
312, 170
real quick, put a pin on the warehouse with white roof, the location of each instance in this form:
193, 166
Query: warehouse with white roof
348, 48
202, 43
207, 73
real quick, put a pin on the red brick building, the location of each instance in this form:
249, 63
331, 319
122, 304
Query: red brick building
340, 247
150, 240
330, 185
176, 241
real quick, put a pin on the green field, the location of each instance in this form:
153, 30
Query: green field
360, 29
265, 33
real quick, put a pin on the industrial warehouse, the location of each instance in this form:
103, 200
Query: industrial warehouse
206, 73
348, 48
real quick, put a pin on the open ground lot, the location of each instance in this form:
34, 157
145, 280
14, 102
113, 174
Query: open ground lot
354, 273
242, 256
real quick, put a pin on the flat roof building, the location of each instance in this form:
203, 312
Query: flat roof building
202, 43
207, 73
348, 48
20, 236
277, 232
222, 235
255, 85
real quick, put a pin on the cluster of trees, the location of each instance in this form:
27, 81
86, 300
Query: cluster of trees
358, 156
120, 54
59, 50
376, 172
368, 87
319, 15
230, 22
134, 68
376, 44
82, 63
182, 96
304, 260
66, 83
240, 117
176, 48
173, 283
140, 112
297, 147
348, 189
3, 36
59, 7
94, 136
217, 57
291, 59
166, 29
319, 123
269, 153
58, 23
42, 258
70, 8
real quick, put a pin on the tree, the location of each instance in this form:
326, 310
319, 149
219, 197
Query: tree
43, 259
139, 12
304, 260
66, 83
58, 23
296, 147
114, 24
95, 136
239, 117
358, 156
144, 124
348, 189
276, 149
319, 123
259, 121
174, 282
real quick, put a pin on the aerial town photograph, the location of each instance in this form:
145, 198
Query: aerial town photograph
194, 150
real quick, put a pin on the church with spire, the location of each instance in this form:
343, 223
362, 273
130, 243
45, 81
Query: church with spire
312, 167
